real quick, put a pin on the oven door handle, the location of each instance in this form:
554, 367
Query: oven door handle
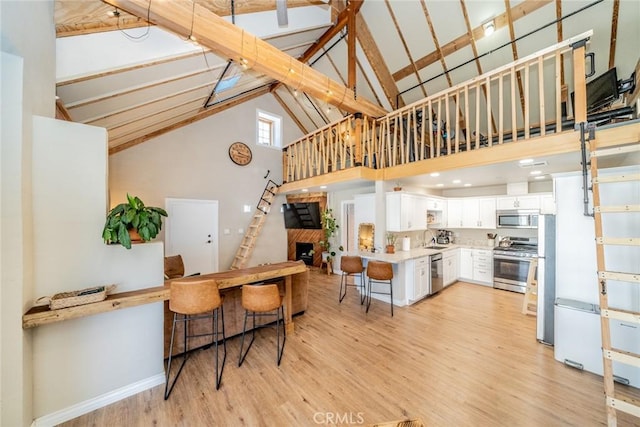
511, 258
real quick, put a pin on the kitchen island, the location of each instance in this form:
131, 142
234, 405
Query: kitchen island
412, 270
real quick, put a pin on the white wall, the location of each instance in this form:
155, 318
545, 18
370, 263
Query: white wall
193, 162
88, 357
27, 31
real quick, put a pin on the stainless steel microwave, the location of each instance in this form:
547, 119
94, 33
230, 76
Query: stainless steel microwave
517, 219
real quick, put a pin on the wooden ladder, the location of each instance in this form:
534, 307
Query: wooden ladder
606, 216
257, 221
530, 301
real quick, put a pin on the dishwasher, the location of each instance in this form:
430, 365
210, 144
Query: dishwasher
437, 281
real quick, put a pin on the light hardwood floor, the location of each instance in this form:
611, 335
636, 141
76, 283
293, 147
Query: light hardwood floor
465, 357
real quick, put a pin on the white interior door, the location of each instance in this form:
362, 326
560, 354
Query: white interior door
192, 231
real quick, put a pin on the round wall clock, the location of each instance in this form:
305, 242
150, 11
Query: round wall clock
240, 153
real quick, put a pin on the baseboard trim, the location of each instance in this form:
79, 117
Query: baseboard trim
74, 411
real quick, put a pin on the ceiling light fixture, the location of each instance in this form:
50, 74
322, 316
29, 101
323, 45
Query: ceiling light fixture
114, 13
440, 185
434, 174
535, 172
489, 28
467, 185
525, 161
456, 181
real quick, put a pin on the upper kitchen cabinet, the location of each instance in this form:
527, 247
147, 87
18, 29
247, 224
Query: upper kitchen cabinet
406, 212
547, 204
471, 212
436, 211
518, 202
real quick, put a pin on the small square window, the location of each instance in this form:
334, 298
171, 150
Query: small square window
265, 132
268, 129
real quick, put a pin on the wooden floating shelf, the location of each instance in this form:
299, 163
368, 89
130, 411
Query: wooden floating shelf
42, 315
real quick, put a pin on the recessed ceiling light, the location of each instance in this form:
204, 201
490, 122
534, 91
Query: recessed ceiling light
304, 190
535, 172
456, 181
467, 185
434, 174
440, 185
323, 186
525, 161
540, 177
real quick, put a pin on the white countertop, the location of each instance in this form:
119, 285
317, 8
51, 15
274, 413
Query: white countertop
402, 256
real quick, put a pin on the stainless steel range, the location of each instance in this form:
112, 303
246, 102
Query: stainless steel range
511, 263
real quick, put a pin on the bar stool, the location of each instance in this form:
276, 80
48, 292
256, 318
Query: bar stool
380, 272
193, 300
352, 266
262, 300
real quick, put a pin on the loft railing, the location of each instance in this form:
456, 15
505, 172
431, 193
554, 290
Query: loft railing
515, 102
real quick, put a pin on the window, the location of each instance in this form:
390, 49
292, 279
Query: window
265, 132
269, 129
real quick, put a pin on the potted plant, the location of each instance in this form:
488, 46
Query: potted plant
329, 227
132, 221
391, 242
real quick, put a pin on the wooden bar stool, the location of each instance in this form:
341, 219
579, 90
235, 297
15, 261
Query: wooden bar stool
192, 300
380, 272
352, 266
262, 300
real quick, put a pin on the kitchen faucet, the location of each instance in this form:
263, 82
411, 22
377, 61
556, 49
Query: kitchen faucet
424, 239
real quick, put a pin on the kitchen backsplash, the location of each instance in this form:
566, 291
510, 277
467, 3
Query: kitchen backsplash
464, 236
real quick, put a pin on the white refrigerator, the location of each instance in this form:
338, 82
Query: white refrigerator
577, 332
546, 277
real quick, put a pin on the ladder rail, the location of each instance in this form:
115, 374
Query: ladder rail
248, 243
610, 354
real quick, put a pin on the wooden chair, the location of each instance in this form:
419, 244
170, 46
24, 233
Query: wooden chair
352, 266
192, 300
380, 272
173, 267
262, 300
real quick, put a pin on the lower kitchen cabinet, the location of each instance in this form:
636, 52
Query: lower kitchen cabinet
476, 265
450, 267
421, 275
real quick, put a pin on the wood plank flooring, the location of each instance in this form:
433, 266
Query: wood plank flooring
465, 357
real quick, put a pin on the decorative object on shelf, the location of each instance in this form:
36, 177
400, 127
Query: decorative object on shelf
329, 227
132, 220
391, 243
74, 298
398, 187
240, 153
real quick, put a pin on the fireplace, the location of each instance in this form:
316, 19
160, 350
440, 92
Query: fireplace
302, 252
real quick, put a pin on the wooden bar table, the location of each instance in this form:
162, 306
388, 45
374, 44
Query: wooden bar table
42, 315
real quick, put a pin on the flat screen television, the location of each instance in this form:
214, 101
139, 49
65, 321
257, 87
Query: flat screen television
601, 91
302, 215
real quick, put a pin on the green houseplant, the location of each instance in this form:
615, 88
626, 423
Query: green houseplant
132, 217
329, 228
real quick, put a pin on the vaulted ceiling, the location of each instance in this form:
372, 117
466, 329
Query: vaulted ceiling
148, 79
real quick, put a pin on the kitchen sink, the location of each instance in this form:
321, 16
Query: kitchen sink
436, 247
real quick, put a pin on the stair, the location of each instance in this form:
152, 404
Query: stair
604, 216
255, 226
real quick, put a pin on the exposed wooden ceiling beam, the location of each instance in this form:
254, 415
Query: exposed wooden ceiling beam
414, 68
194, 118
614, 34
502, 20
341, 22
351, 43
377, 62
74, 17
233, 42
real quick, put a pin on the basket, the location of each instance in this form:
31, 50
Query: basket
79, 297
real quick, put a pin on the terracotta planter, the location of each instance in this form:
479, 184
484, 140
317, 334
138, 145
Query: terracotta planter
391, 249
134, 236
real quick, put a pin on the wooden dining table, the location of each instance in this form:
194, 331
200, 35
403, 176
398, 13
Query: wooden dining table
261, 273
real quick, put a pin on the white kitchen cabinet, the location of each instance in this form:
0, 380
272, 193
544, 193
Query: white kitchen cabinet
476, 265
483, 266
406, 212
518, 202
547, 204
472, 212
420, 268
436, 204
450, 267
466, 264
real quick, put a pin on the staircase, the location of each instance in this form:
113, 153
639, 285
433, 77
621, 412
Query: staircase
605, 219
257, 221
